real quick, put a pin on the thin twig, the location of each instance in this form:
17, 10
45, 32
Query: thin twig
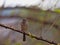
32, 36
54, 21
34, 20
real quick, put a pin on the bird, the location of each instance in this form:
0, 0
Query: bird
24, 28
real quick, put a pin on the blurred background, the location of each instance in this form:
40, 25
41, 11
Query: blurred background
43, 20
12, 18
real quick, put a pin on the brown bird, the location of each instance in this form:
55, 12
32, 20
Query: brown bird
24, 28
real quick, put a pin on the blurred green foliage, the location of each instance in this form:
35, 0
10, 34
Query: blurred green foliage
57, 10
18, 43
39, 43
7, 42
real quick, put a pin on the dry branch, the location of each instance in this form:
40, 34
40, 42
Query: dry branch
32, 36
34, 20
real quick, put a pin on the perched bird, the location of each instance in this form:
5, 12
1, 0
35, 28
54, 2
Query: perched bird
24, 28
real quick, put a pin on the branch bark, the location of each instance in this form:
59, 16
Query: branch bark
30, 35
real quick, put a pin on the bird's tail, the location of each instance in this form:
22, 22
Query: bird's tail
24, 37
